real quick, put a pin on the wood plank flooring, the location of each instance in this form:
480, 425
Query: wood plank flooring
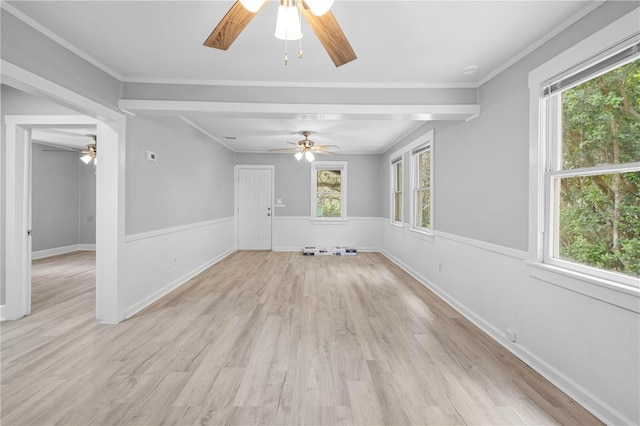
265, 338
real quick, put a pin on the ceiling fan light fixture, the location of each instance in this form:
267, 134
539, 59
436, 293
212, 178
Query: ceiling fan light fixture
299, 155
288, 21
309, 156
319, 7
252, 5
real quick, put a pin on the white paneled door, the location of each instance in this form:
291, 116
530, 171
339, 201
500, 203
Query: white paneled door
255, 211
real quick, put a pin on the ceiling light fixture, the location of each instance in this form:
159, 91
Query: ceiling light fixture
91, 153
288, 26
306, 148
290, 12
252, 5
319, 7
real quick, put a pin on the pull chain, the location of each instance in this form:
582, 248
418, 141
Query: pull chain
300, 39
286, 59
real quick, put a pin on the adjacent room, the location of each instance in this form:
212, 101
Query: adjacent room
320, 212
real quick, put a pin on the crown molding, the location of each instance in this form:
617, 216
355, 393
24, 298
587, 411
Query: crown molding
541, 41
300, 84
61, 41
345, 85
204, 132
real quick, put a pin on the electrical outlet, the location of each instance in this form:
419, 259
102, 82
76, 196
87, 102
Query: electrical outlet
440, 267
151, 156
175, 260
511, 335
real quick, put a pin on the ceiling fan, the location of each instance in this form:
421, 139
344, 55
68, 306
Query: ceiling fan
90, 153
306, 148
315, 12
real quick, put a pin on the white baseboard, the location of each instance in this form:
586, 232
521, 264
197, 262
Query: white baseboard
583, 397
154, 297
2, 316
41, 254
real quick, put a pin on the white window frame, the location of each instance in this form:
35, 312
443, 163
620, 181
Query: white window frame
329, 165
415, 155
393, 163
605, 285
408, 186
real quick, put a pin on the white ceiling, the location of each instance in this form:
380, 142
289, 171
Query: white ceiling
398, 44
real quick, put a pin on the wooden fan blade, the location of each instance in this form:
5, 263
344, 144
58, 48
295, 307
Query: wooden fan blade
330, 35
230, 27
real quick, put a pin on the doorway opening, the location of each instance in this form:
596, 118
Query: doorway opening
63, 220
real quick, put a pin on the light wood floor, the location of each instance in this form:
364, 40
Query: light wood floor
265, 338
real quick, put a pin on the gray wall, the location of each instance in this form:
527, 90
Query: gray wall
191, 181
481, 167
293, 182
29, 49
87, 205
63, 199
15, 102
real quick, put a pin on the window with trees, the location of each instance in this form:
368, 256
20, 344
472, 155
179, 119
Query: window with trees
329, 182
396, 190
592, 177
421, 158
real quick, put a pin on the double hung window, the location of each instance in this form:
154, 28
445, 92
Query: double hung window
328, 189
591, 177
421, 158
396, 189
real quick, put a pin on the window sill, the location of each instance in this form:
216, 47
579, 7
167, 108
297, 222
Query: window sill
423, 235
399, 225
621, 295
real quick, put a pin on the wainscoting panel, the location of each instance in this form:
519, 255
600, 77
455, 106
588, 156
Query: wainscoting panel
158, 262
586, 347
292, 233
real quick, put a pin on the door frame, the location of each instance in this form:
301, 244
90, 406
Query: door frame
110, 194
236, 197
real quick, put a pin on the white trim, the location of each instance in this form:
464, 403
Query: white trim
358, 249
320, 111
344, 189
29, 82
545, 38
426, 139
583, 54
171, 230
299, 84
203, 131
157, 295
236, 195
2, 313
616, 294
582, 396
494, 248
61, 41
392, 185
41, 254
110, 189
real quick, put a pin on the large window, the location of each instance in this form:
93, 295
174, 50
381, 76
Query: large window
397, 175
592, 174
329, 183
421, 158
